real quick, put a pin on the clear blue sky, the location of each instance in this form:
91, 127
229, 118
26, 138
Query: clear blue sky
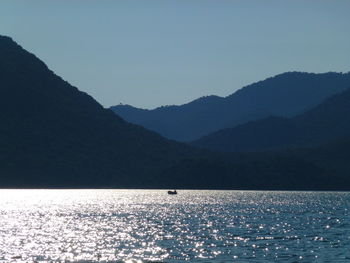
152, 53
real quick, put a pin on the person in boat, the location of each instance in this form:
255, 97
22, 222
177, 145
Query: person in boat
172, 192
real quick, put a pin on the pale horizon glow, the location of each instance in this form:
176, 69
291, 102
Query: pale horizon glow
153, 53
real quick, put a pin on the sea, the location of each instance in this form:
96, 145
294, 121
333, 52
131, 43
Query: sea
139, 226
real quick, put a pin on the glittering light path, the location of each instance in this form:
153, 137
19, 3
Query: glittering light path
197, 226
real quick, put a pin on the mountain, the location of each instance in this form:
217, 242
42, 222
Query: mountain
284, 95
54, 136
323, 167
326, 122
333, 156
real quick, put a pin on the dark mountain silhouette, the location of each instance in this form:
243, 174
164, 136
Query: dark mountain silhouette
333, 156
284, 95
328, 121
54, 136
324, 167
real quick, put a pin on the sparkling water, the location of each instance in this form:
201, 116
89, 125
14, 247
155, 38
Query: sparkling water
193, 226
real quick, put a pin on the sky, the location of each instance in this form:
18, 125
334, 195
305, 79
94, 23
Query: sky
149, 53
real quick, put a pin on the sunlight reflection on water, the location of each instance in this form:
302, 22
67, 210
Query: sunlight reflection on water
149, 225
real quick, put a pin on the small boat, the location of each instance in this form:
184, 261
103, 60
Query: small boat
172, 192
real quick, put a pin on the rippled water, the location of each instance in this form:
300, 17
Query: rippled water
195, 226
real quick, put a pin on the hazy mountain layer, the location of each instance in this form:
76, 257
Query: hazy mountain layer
328, 121
284, 95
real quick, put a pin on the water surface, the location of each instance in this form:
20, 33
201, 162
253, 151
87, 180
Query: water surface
195, 226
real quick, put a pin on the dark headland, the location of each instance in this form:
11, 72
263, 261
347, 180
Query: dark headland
54, 136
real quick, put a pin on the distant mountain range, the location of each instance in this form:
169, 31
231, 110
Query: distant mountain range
328, 121
284, 95
54, 136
